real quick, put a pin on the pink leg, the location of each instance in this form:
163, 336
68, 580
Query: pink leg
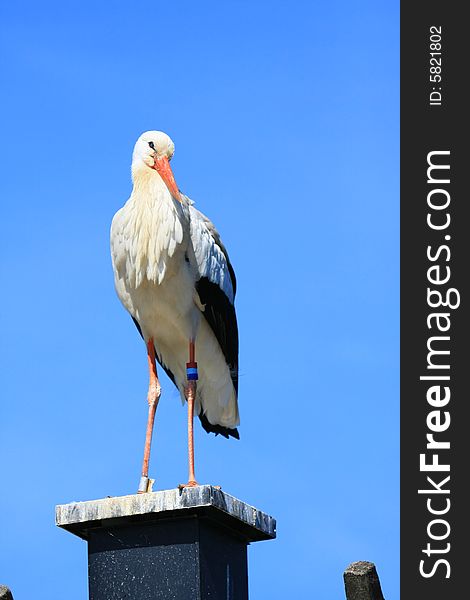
153, 397
190, 397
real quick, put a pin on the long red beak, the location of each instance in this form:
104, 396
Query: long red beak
162, 166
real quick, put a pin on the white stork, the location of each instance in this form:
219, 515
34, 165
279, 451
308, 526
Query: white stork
173, 275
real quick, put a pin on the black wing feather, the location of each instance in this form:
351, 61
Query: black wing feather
219, 313
224, 431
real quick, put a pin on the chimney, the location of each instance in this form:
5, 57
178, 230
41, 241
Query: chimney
188, 544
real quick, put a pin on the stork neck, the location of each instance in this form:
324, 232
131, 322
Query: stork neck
155, 225
148, 183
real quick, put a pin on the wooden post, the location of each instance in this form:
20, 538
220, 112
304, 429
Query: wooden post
5, 593
362, 582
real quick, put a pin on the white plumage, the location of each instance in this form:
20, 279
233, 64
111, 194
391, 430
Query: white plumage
173, 275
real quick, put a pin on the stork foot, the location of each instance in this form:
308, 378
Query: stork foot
189, 484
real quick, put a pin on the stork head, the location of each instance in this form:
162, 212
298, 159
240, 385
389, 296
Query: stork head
153, 152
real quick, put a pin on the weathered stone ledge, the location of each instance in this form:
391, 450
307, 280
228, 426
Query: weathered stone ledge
205, 500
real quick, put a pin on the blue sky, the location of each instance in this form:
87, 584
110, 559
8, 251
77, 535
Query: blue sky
285, 118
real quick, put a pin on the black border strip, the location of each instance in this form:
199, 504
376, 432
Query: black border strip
434, 568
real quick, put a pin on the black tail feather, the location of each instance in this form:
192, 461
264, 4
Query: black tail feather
226, 432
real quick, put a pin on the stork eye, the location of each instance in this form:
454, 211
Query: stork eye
152, 145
